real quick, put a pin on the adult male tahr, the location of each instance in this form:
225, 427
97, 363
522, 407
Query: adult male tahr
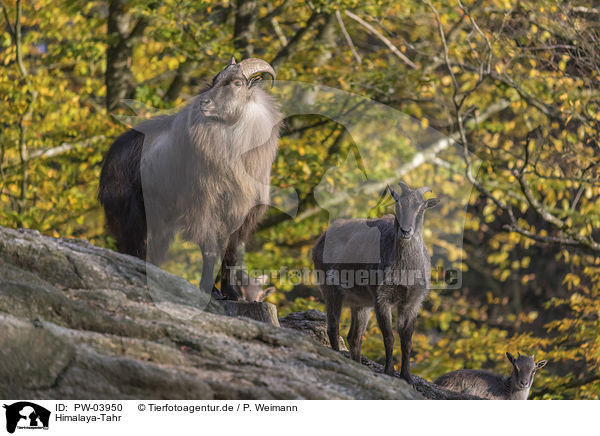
203, 171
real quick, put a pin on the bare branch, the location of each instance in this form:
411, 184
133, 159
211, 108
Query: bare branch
572, 238
483, 35
18, 40
5, 13
445, 46
276, 11
278, 31
63, 148
534, 203
286, 51
382, 38
540, 238
347, 36
426, 155
15, 34
585, 10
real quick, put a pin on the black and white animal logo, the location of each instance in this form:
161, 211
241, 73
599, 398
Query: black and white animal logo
26, 415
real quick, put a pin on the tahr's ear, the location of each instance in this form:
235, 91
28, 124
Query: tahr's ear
540, 364
269, 291
510, 358
432, 202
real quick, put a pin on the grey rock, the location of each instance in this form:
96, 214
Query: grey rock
313, 323
82, 322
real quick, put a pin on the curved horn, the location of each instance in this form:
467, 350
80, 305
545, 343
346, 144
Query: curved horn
254, 66
423, 190
404, 186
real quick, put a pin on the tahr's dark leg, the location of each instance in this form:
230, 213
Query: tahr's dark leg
360, 319
383, 312
406, 333
228, 267
209, 259
333, 303
235, 250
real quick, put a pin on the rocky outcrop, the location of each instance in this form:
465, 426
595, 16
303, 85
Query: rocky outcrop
429, 390
314, 324
82, 322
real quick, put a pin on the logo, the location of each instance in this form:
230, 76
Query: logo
26, 415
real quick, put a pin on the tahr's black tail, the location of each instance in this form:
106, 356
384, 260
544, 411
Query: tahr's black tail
120, 192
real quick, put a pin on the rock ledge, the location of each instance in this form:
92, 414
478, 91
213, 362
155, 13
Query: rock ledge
82, 322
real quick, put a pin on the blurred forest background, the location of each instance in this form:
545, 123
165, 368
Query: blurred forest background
514, 82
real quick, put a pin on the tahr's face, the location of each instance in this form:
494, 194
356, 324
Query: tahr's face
525, 368
228, 96
410, 208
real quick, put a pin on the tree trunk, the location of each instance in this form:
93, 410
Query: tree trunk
265, 312
181, 79
122, 35
244, 28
